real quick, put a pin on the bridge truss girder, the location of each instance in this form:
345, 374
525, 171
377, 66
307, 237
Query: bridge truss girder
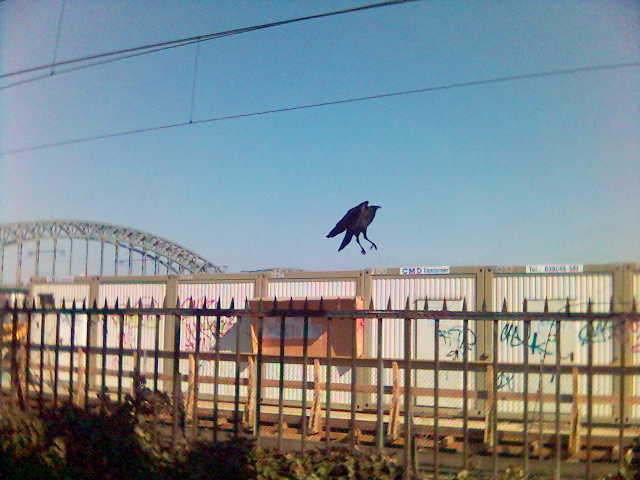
175, 258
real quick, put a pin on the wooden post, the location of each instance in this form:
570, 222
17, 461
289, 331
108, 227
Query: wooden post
50, 370
316, 408
136, 372
22, 369
575, 431
394, 414
18, 375
191, 390
249, 409
79, 396
488, 416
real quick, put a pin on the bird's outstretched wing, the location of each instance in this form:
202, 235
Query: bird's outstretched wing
345, 241
349, 218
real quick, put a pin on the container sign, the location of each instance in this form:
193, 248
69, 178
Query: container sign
558, 268
293, 328
441, 270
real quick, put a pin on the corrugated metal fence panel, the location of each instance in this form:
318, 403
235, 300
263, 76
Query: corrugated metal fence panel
198, 292
68, 293
556, 288
287, 287
634, 333
150, 294
453, 288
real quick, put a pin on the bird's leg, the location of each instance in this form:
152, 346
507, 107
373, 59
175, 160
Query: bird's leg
362, 250
373, 245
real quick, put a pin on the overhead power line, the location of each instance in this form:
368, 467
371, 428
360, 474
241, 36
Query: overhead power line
155, 47
449, 86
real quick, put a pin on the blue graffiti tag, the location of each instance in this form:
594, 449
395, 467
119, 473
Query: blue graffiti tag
455, 337
510, 333
505, 380
603, 331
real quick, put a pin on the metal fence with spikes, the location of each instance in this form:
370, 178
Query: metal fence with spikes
564, 440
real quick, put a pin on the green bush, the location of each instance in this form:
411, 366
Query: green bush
24, 451
69, 443
338, 464
204, 461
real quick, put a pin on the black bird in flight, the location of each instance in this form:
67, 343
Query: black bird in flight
355, 222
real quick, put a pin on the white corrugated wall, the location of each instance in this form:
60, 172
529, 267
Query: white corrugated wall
436, 289
150, 294
578, 288
283, 288
634, 333
68, 293
286, 288
198, 292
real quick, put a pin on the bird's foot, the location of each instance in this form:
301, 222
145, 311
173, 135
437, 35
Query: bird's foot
373, 245
363, 251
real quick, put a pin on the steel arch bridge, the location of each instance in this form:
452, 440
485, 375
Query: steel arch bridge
142, 248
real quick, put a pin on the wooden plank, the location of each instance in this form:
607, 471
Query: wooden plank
575, 430
394, 420
316, 408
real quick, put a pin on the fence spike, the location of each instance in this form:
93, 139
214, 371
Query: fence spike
191, 302
504, 306
568, 306
84, 303
306, 303
204, 303
232, 305
260, 304
275, 303
426, 303
371, 303
589, 305
116, 304
525, 305
219, 303
389, 303
164, 302
64, 306
407, 305
321, 307
546, 305
444, 305
95, 304
128, 305
24, 303
177, 302
484, 305
246, 303
106, 305
611, 304
290, 303
634, 307
73, 304
15, 303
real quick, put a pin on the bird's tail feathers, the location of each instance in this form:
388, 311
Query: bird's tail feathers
345, 241
335, 231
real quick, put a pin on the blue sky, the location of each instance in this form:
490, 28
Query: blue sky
535, 171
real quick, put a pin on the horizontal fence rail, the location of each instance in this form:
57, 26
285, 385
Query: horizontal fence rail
566, 400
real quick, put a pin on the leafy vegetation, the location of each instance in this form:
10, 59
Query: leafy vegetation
118, 443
